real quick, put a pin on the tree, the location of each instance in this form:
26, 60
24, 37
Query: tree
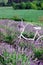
5, 1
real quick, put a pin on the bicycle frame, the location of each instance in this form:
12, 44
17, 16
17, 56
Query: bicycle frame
37, 33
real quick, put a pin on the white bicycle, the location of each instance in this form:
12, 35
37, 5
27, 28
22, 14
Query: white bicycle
22, 28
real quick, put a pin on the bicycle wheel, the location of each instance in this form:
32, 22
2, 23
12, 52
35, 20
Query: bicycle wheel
40, 40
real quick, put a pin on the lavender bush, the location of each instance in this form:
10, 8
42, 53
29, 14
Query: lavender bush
14, 59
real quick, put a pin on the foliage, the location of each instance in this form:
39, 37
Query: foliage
17, 18
23, 45
14, 59
9, 39
14, 5
38, 53
5, 1
1, 36
18, 6
42, 5
7, 36
38, 5
28, 5
1, 60
25, 34
22, 5
30, 35
33, 5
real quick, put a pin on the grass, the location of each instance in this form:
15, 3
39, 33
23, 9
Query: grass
29, 15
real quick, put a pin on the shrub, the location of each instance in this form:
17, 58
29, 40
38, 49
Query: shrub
1, 36
33, 5
18, 6
17, 18
30, 35
39, 5
10, 36
22, 5
14, 5
38, 53
2, 61
2, 4
9, 39
42, 5
7, 35
28, 6
25, 34
23, 45
14, 59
